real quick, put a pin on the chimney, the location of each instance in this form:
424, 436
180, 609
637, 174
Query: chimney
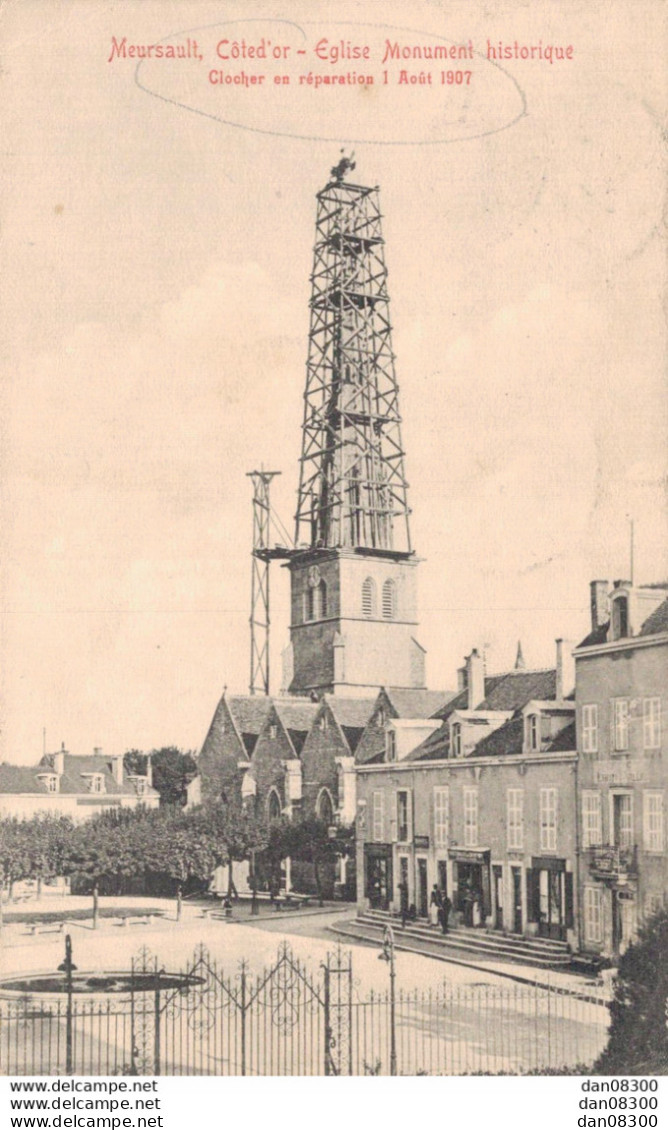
598, 598
149, 771
117, 768
58, 760
565, 669
461, 678
475, 679
559, 687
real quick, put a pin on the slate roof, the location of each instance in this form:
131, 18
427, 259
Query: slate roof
597, 635
73, 781
352, 714
508, 692
564, 740
504, 742
250, 714
19, 779
297, 715
508, 740
657, 621
417, 703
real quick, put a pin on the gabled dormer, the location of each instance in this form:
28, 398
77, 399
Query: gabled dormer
543, 721
403, 735
94, 782
630, 607
51, 781
468, 727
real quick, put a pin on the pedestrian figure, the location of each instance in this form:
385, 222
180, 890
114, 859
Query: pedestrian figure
434, 905
446, 906
403, 901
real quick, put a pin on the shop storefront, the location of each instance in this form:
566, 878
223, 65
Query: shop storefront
550, 888
378, 875
471, 893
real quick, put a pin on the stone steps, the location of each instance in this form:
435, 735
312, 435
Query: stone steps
544, 953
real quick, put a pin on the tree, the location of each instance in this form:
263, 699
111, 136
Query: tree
109, 847
638, 1036
309, 840
48, 837
33, 848
234, 831
173, 770
15, 860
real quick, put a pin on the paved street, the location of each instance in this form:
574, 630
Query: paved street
112, 946
449, 1018
255, 939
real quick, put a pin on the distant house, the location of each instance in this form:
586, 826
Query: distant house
63, 784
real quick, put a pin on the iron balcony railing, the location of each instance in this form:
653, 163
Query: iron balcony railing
607, 861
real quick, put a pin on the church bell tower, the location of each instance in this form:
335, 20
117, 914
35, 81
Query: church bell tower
353, 574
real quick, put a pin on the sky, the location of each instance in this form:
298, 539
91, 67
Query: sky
156, 249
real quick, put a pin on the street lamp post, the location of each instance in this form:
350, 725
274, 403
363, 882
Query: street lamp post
68, 967
387, 955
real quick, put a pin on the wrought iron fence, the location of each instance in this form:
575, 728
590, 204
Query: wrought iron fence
291, 1020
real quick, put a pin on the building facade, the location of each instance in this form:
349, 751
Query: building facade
63, 784
621, 680
483, 808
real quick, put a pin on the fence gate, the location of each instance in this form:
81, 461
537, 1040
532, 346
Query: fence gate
290, 1019
284, 1021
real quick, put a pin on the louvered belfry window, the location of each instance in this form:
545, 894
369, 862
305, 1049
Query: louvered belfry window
369, 597
389, 600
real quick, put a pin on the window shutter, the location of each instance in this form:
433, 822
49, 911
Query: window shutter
570, 918
409, 815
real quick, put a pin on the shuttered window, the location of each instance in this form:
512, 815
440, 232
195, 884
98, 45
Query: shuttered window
441, 816
378, 815
591, 819
653, 831
470, 817
651, 723
593, 916
548, 819
515, 818
590, 728
620, 724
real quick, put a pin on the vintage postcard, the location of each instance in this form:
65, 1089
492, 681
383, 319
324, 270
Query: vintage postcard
334, 575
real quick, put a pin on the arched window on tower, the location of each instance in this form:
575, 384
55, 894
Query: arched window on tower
325, 808
369, 597
274, 807
389, 600
315, 601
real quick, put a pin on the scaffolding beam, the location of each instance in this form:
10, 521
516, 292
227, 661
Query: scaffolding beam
260, 619
352, 489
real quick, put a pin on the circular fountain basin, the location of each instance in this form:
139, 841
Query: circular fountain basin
41, 986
